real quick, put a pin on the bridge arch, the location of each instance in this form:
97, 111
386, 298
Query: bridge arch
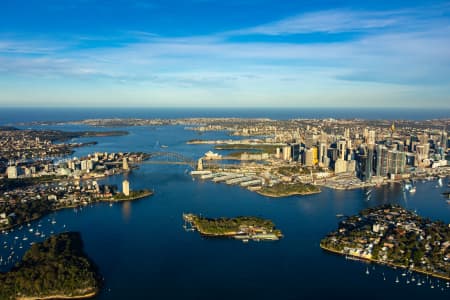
170, 158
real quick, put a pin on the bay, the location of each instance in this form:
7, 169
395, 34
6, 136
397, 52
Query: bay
143, 251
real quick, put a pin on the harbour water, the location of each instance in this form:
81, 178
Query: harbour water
143, 251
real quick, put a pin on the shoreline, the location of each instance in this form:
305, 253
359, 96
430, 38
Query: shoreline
287, 194
148, 193
389, 264
137, 197
50, 297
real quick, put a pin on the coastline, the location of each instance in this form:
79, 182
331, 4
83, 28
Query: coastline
137, 197
389, 264
86, 296
281, 195
146, 194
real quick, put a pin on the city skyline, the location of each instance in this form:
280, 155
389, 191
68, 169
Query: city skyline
234, 54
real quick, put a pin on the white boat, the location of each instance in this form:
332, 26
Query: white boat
412, 190
367, 271
396, 280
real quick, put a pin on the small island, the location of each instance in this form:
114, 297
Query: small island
241, 228
57, 268
285, 190
395, 237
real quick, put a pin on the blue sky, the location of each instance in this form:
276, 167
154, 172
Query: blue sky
225, 53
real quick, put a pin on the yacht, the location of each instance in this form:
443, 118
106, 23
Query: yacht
396, 280
412, 190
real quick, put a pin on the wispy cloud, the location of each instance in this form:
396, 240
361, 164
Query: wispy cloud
406, 50
332, 21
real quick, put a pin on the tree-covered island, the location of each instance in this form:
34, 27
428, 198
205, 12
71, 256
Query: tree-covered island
242, 228
57, 268
396, 237
288, 189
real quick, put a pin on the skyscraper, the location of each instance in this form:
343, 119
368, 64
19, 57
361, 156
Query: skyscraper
126, 187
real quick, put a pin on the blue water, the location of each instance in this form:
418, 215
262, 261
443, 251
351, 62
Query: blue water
143, 251
12, 115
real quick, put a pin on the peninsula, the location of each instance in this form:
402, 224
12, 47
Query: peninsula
241, 228
395, 237
57, 268
134, 195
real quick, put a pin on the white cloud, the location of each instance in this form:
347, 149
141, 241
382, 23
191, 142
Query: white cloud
382, 62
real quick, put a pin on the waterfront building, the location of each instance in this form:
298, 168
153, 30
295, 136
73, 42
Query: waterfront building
364, 165
422, 151
340, 166
396, 162
126, 187
369, 162
381, 160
